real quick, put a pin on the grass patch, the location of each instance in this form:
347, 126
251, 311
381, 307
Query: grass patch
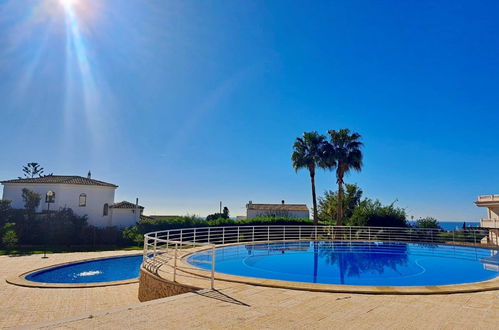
66, 249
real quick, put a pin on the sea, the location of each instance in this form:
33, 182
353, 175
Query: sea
452, 225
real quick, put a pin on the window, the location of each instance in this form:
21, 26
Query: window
106, 209
83, 200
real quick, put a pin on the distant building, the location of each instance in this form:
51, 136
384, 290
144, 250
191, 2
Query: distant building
491, 202
85, 196
277, 210
164, 216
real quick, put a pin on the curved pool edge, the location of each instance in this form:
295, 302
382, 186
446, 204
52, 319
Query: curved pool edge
489, 285
20, 279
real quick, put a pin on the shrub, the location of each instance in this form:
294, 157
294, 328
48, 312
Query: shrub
135, 233
373, 213
428, 222
9, 237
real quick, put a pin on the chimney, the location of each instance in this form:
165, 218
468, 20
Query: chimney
136, 205
89, 175
282, 202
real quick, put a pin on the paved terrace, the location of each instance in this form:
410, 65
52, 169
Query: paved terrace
21, 306
233, 306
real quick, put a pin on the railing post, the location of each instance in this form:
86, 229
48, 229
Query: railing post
284, 234
213, 267
144, 257
350, 229
238, 234
315, 232
223, 235
194, 239
299, 233
253, 239
155, 243
369, 233
268, 233
181, 230
209, 229
175, 264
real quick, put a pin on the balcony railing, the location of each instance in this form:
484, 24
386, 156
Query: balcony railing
489, 223
488, 198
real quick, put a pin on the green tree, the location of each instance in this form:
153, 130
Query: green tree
33, 169
309, 153
223, 215
343, 151
374, 214
9, 236
31, 200
427, 222
327, 205
5, 211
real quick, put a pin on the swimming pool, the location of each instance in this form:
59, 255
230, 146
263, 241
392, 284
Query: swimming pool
355, 263
91, 271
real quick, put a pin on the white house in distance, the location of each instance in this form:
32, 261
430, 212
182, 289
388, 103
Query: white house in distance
277, 210
85, 196
491, 202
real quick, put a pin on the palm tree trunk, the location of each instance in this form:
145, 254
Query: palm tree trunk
314, 198
339, 202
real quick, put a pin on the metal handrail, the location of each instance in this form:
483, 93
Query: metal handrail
162, 247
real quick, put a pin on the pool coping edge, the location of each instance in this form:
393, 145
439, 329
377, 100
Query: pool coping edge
20, 279
488, 285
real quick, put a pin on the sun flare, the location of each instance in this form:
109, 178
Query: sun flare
67, 2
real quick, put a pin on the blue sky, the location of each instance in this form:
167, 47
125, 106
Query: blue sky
187, 103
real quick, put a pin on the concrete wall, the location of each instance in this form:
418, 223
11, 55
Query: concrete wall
67, 195
153, 287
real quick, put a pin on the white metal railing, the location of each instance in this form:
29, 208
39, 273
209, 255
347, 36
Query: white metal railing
165, 248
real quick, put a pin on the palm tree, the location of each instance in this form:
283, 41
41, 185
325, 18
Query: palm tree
308, 153
344, 150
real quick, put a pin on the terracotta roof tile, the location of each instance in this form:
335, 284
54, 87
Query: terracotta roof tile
124, 205
62, 179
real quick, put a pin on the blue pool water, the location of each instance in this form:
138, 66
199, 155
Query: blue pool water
100, 270
356, 263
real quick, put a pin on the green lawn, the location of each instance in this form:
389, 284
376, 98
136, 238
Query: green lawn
65, 249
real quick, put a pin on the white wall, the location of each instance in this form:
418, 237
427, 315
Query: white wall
493, 212
67, 195
125, 217
289, 214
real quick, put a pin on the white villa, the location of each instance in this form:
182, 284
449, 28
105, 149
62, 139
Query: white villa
277, 210
491, 202
85, 196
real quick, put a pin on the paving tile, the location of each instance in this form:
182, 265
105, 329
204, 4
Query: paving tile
266, 308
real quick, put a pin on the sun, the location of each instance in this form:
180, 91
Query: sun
67, 3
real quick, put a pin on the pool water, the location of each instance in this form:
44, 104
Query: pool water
356, 263
92, 271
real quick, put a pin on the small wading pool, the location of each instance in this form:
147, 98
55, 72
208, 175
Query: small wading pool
91, 271
356, 263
